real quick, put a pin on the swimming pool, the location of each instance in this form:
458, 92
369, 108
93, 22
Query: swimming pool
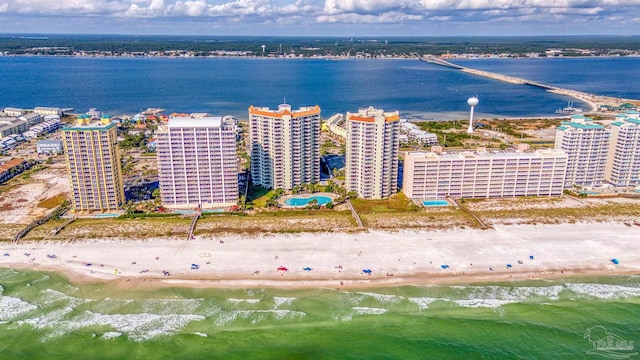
298, 201
435, 203
106, 215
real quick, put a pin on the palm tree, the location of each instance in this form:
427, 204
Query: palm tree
271, 202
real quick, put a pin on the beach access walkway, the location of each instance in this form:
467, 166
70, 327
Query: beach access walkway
196, 216
463, 208
354, 213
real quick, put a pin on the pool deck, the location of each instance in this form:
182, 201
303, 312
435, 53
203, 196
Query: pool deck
282, 200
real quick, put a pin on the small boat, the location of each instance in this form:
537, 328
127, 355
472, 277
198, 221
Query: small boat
569, 109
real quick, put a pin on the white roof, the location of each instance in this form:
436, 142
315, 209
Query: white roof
185, 122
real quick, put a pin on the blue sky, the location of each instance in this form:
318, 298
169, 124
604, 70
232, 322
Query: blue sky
323, 17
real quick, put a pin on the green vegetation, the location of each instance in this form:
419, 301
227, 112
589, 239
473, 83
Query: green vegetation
396, 203
313, 46
258, 196
50, 203
133, 141
450, 133
26, 175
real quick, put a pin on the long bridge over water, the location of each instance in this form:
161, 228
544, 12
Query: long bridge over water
592, 99
491, 75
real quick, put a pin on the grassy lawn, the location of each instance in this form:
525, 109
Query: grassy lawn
259, 196
50, 203
397, 203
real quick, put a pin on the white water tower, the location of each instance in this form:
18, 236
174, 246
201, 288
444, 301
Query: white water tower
473, 101
263, 47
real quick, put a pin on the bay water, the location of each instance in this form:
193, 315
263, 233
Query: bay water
228, 86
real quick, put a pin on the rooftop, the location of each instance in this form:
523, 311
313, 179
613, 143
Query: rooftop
10, 164
580, 125
91, 126
188, 122
543, 153
285, 109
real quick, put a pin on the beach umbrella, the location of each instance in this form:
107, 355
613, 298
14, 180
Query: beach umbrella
615, 261
444, 266
307, 269
530, 257
509, 265
282, 268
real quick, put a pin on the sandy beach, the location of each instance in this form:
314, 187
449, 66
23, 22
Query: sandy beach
334, 260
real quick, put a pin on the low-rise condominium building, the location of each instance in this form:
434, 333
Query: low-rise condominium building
484, 174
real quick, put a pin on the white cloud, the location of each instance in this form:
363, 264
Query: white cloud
387, 17
416, 14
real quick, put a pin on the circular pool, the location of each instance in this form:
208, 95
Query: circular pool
304, 201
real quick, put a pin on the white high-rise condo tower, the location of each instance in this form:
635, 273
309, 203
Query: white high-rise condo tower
473, 101
285, 146
371, 166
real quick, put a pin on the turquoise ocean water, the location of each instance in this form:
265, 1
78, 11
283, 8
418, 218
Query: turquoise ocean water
43, 316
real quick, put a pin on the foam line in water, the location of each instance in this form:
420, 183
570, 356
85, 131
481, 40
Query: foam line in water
12, 307
422, 303
361, 310
237, 301
110, 335
279, 301
604, 291
138, 327
257, 316
489, 303
383, 298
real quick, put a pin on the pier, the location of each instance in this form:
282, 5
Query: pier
593, 100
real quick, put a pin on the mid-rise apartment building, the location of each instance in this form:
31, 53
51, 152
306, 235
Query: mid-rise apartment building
285, 146
93, 164
586, 145
623, 159
197, 163
483, 174
371, 167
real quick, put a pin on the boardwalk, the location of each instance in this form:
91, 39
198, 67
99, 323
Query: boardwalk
355, 214
196, 215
